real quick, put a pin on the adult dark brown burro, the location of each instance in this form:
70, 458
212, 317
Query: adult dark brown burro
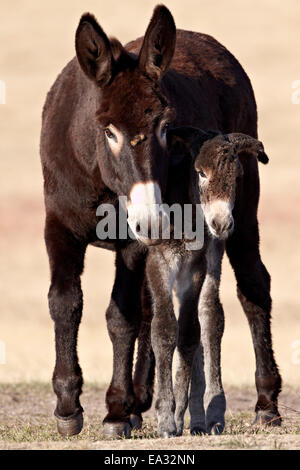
103, 136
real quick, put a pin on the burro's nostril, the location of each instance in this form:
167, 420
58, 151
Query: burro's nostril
147, 225
230, 225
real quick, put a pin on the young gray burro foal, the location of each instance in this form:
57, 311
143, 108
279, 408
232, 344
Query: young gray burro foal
220, 162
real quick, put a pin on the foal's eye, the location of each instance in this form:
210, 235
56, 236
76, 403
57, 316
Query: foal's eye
202, 174
109, 134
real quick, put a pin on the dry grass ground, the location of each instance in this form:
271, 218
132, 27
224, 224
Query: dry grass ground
37, 39
27, 422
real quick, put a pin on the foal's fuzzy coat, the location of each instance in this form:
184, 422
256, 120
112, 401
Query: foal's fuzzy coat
220, 171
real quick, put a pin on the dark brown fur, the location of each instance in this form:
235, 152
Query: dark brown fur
207, 88
218, 163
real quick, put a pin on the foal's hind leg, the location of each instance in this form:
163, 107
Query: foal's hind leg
123, 321
145, 365
189, 282
66, 255
211, 318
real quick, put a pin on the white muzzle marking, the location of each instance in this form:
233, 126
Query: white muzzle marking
144, 209
218, 216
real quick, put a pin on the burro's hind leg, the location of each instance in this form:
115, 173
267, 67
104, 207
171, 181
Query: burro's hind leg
211, 318
161, 272
189, 282
123, 321
145, 364
66, 256
197, 390
253, 286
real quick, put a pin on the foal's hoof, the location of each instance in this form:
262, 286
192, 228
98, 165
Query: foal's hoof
167, 434
267, 418
136, 422
69, 426
116, 430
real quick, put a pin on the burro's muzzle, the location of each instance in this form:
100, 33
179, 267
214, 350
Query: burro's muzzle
145, 214
218, 216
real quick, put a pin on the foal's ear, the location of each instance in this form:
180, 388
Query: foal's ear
185, 141
159, 43
93, 50
246, 143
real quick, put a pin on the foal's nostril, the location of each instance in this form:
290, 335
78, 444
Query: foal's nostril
216, 225
221, 226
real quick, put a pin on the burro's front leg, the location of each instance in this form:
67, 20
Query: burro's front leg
66, 255
161, 273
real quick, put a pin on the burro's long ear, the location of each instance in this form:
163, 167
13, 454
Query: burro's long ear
185, 141
159, 43
246, 143
93, 50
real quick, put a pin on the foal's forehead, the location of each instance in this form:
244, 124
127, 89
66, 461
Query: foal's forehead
218, 154
131, 99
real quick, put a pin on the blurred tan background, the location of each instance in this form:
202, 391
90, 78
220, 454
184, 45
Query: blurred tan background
36, 41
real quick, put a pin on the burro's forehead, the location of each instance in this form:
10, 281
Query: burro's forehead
133, 101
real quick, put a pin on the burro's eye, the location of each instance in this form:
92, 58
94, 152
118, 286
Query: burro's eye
110, 135
162, 133
114, 138
164, 129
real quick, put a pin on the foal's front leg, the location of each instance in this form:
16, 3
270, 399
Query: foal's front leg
211, 318
161, 278
66, 255
188, 285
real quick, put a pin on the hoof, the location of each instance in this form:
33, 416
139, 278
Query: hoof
166, 434
69, 426
197, 431
136, 422
265, 418
216, 429
116, 430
